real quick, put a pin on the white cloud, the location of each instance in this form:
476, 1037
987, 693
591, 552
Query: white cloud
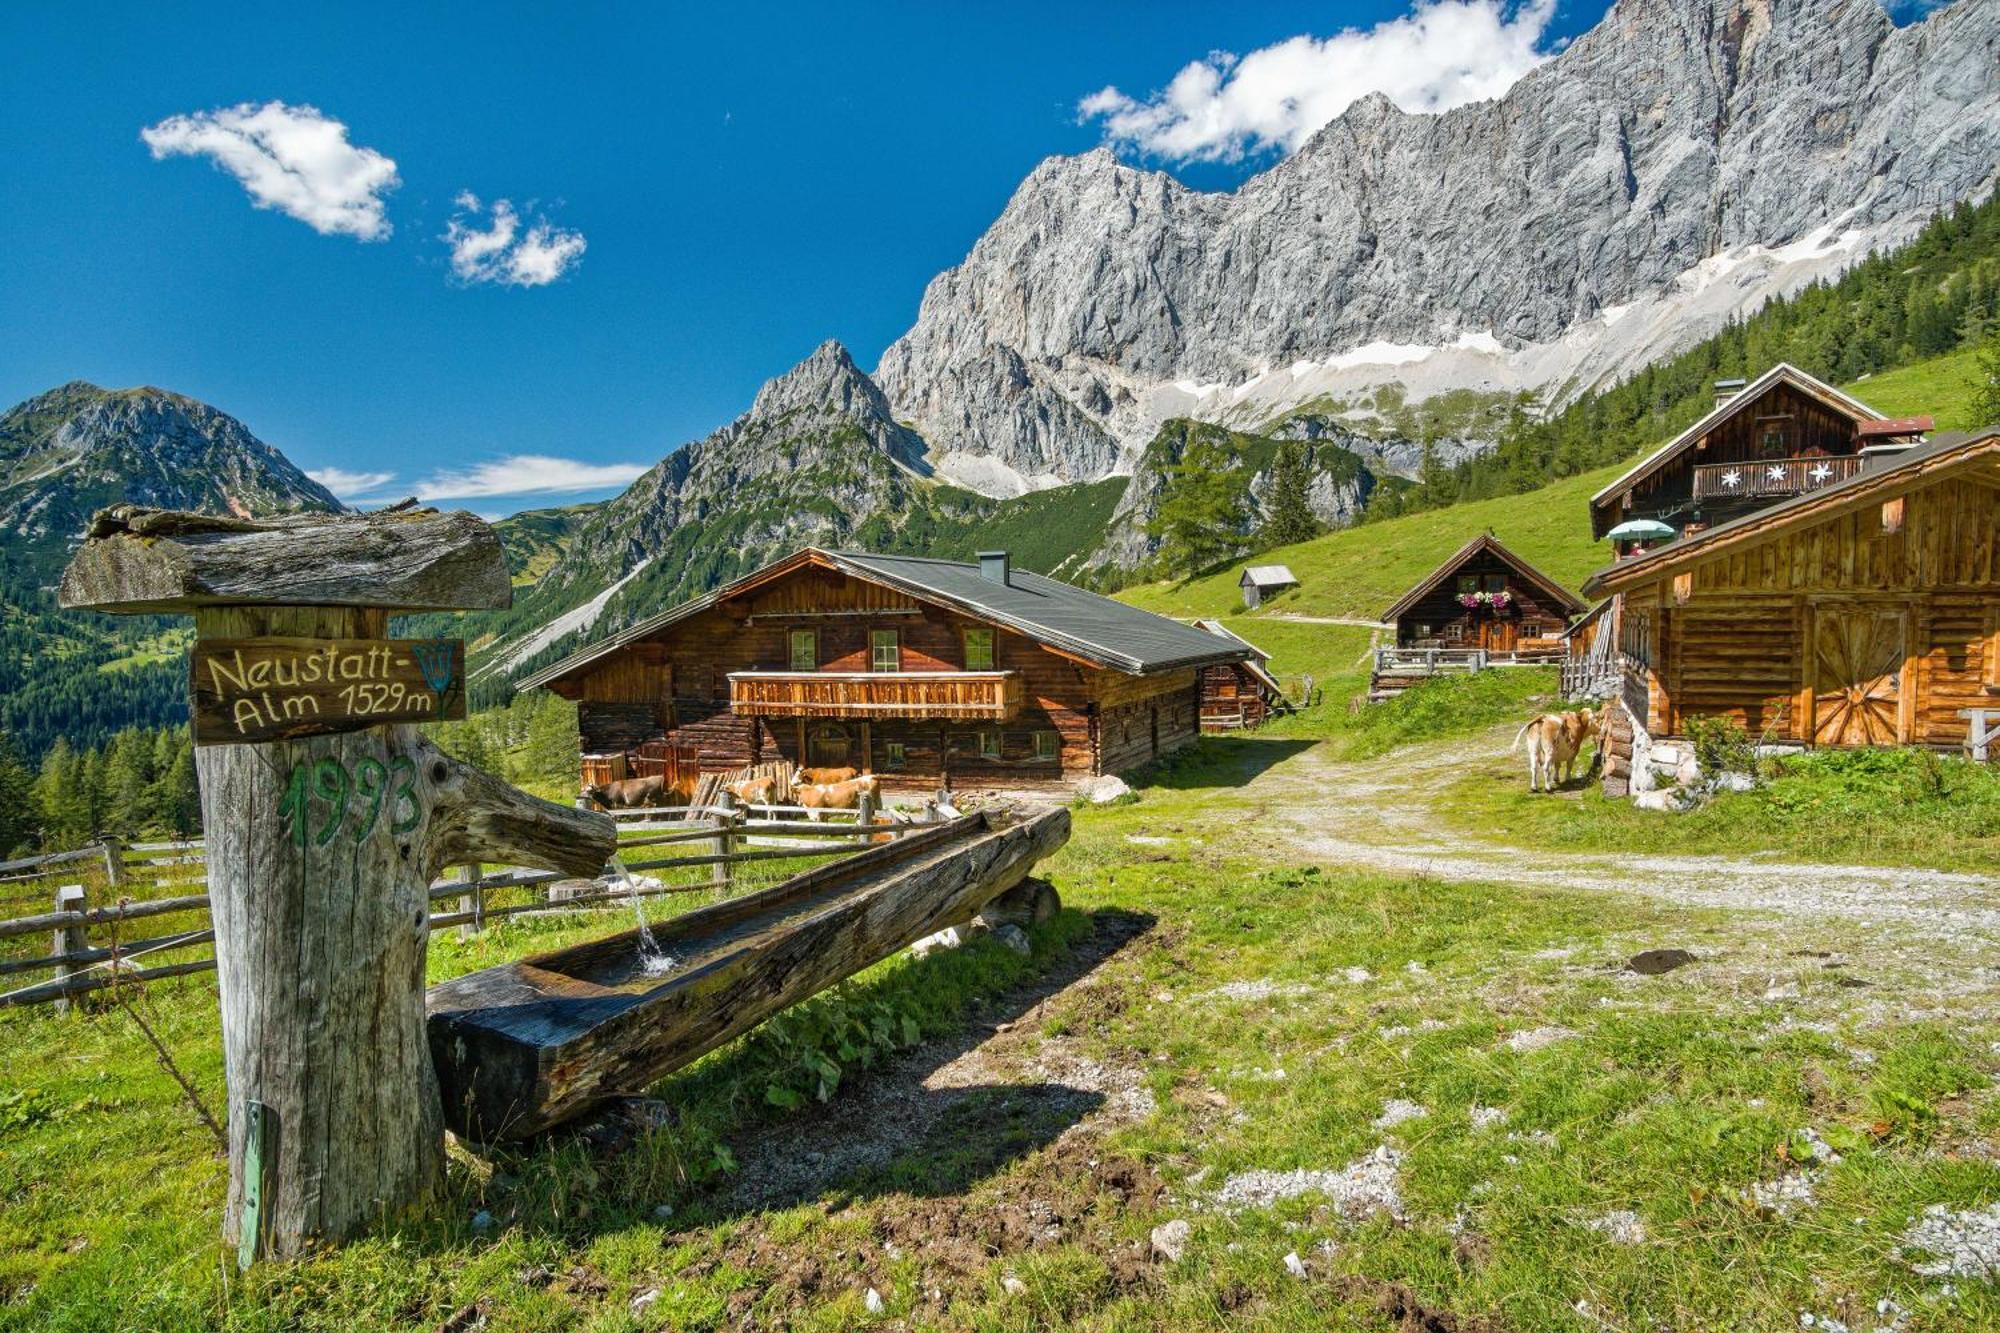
350, 485
497, 251
1442, 54
295, 159
526, 474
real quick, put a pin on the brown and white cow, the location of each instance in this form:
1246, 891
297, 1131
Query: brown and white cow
1554, 742
824, 777
755, 791
816, 797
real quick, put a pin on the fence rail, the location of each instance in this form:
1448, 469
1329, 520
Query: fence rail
721, 838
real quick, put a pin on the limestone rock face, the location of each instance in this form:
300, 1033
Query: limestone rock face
1680, 163
66, 453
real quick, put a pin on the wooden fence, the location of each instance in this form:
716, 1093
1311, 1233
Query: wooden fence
718, 838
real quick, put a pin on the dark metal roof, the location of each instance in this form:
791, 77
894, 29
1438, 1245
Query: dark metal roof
1056, 613
1887, 471
1049, 611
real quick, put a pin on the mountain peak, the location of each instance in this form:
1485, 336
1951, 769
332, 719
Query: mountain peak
827, 380
79, 447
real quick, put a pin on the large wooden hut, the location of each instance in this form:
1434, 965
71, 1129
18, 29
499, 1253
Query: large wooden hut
927, 672
1784, 433
1863, 612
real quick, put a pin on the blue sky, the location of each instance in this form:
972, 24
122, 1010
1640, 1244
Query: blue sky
717, 190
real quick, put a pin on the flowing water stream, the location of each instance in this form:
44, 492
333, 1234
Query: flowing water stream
654, 961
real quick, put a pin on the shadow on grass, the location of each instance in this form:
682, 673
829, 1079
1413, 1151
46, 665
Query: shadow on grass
1218, 761
897, 1128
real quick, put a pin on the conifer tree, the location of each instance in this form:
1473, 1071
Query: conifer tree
1288, 515
1197, 517
20, 817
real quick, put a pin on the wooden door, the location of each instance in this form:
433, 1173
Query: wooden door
1857, 666
1496, 635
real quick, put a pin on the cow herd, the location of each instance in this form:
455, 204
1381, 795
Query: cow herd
816, 789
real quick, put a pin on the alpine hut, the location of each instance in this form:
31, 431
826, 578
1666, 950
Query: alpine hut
926, 672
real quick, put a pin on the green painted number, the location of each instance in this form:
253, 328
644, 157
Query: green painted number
336, 786
371, 779
406, 791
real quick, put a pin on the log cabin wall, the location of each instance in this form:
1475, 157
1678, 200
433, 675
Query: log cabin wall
1781, 422
1438, 616
1231, 697
676, 686
1755, 627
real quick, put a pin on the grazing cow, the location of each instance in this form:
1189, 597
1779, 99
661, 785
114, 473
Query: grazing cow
629, 794
824, 777
1554, 742
755, 791
816, 797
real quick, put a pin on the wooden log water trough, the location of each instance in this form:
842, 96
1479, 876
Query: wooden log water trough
522, 1047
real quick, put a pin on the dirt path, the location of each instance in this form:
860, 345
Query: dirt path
1377, 814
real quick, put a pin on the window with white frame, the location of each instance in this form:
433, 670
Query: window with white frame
885, 651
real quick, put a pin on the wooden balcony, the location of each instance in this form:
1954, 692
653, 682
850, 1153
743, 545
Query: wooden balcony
993, 696
1771, 478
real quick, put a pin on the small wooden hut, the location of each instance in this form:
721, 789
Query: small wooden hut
1261, 581
1235, 695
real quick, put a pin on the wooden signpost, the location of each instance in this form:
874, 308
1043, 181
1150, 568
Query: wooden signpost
326, 823
245, 690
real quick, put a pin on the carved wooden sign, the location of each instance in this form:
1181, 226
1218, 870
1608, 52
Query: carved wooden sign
267, 689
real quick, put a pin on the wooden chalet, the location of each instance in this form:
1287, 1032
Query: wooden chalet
1236, 695
1261, 581
930, 673
1783, 434
1484, 606
1865, 611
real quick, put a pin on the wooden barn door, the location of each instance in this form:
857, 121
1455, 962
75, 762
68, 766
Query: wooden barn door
1857, 676
1496, 635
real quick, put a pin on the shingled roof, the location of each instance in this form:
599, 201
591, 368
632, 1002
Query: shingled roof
1083, 624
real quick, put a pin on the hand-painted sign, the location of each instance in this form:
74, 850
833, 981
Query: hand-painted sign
245, 690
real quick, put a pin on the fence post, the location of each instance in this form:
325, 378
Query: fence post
720, 874
114, 863
67, 938
864, 813
474, 901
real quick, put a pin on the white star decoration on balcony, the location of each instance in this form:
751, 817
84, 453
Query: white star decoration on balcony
1774, 472
1821, 472
1732, 479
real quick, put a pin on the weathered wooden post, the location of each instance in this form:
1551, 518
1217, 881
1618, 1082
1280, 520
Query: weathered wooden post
68, 937
722, 874
473, 901
327, 818
114, 864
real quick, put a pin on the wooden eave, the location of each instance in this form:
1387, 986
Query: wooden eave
1485, 541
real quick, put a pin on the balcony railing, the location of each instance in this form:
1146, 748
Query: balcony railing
979, 695
1770, 477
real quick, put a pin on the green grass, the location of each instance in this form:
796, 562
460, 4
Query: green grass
1361, 571
1941, 386
1670, 1097
1875, 807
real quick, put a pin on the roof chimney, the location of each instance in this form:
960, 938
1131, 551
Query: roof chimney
1727, 389
994, 566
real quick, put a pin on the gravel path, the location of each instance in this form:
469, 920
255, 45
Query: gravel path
1377, 814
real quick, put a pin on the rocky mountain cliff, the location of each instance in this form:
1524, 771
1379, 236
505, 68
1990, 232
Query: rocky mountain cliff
1678, 164
69, 452
63, 455
819, 459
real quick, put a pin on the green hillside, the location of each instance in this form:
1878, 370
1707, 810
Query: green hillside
1358, 572
1941, 386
